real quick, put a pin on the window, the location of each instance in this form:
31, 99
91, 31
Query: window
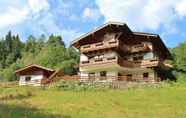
145, 75
137, 58
92, 76
103, 73
27, 78
148, 55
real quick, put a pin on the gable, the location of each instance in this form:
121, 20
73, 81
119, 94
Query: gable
34, 70
115, 30
109, 29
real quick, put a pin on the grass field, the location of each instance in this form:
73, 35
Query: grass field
29, 102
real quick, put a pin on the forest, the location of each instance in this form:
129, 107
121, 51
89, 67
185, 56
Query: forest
52, 52
49, 51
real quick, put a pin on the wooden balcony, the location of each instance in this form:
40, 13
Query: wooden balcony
146, 63
139, 48
136, 48
99, 46
99, 61
121, 62
139, 64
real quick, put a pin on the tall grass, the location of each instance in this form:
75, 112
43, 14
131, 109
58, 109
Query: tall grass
66, 101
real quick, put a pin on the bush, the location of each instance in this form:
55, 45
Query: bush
181, 78
79, 86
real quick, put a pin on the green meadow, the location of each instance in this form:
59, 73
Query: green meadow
165, 101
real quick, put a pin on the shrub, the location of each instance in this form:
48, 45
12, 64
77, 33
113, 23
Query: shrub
79, 86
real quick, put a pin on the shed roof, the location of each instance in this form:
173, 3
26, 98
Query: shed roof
34, 66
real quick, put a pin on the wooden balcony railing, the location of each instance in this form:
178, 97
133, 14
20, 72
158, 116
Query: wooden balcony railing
123, 63
98, 46
99, 61
135, 48
146, 63
141, 64
139, 47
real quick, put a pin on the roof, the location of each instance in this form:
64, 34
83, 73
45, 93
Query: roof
156, 37
32, 66
97, 29
145, 34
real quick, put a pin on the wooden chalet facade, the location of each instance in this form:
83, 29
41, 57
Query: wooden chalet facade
36, 75
114, 52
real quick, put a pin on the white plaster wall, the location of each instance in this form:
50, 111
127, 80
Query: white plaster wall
97, 74
83, 58
84, 75
33, 77
112, 75
36, 77
110, 54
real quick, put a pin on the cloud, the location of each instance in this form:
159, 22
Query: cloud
91, 13
181, 8
38, 5
143, 14
70, 34
13, 16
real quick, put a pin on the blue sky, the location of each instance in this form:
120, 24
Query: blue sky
71, 18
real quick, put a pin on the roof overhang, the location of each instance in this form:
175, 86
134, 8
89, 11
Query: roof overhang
156, 38
115, 24
33, 66
150, 36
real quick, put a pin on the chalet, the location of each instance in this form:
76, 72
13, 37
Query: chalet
34, 74
114, 52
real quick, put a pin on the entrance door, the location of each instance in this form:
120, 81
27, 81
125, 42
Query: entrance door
145, 76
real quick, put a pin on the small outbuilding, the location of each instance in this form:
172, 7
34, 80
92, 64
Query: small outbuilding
33, 74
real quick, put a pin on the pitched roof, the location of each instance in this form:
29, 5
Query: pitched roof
156, 36
34, 65
97, 29
145, 34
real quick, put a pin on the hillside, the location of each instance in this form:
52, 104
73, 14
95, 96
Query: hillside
167, 101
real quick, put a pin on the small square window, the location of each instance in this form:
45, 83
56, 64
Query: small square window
145, 75
27, 78
103, 73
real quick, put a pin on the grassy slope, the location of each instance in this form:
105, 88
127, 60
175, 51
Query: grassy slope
27, 102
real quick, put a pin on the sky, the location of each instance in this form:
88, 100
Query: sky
72, 18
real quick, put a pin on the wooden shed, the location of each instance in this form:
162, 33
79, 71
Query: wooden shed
33, 74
